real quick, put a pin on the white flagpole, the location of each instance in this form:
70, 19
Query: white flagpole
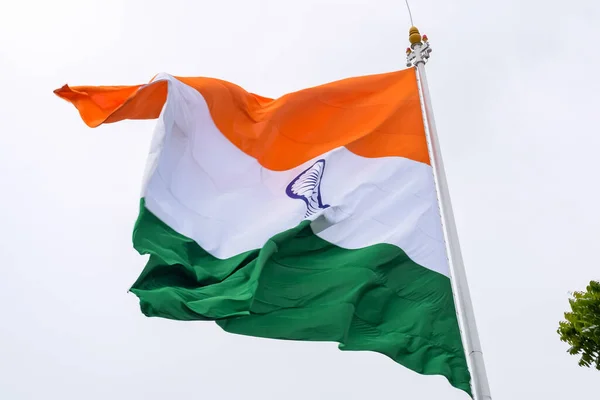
417, 56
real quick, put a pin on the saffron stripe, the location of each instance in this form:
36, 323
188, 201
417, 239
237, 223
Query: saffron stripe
372, 116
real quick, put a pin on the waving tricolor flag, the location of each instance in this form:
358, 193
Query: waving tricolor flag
313, 216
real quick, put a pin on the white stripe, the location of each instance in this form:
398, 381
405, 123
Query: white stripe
205, 188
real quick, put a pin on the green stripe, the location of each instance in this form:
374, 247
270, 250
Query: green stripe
301, 287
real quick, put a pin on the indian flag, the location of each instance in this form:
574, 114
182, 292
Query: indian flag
313, 216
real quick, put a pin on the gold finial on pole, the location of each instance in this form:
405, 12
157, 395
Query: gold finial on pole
419, 49
414, 36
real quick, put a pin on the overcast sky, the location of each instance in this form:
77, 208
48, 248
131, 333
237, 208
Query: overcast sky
515, 90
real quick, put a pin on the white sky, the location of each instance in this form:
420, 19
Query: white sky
515, 89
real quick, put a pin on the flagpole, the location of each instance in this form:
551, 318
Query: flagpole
417, 56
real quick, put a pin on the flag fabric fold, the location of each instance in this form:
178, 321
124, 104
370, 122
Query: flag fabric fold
312, 217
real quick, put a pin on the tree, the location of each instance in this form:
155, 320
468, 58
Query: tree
581, 329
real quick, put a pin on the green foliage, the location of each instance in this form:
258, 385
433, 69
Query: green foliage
581, 330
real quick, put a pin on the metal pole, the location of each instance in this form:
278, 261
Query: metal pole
417, 56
